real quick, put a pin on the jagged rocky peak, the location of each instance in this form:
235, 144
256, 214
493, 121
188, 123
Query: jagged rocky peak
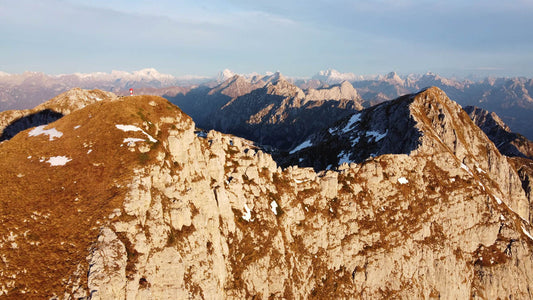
508, 143
343, 91
160, 212
235, 86
487, 121
278, 85
225, 75
332, 76
424, 124
275, 77
394, 78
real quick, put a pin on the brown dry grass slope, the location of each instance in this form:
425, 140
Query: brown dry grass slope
51, 214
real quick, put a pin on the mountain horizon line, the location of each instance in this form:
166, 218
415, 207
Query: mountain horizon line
322, 75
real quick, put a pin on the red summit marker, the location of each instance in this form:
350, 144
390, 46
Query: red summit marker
131, 92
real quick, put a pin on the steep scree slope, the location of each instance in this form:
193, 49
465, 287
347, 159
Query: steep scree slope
133, 204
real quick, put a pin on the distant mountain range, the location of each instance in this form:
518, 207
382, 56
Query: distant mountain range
510, 98
268, 109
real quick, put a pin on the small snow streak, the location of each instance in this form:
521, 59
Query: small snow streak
354, 119
58, 160
465, 167
344, 158
274, 207
303, 145
248, 214
376, 135
403, 180
127, 128
355, 141
131, 141
526, 232
52, 132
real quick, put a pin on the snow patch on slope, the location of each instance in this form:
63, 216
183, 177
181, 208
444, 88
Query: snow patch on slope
344, 158
248, 214
58, 160
526, 232
303, 145
127, 128
376, 135
274, 207
131, 141
354, 119
403, 180
52, 132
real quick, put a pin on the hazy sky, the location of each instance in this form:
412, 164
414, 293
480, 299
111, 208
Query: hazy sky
298, 37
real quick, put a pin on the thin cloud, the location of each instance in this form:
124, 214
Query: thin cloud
302, 37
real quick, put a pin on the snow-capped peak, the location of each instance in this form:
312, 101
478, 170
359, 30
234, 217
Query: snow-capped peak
225, 75
333, 76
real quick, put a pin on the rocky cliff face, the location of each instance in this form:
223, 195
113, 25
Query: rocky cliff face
508, 143
161, 213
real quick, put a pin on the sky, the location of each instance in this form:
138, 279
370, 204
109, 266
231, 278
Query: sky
295, 37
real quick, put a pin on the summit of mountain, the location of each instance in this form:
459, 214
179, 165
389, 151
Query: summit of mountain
345, 90
393, 78
332, 76
225, 75
235, 86
421, 124
14, 121
278, 85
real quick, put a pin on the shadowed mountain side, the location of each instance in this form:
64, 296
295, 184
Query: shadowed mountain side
36, 119
199, 104
507, 142
387, 128
271, 111
286, 129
